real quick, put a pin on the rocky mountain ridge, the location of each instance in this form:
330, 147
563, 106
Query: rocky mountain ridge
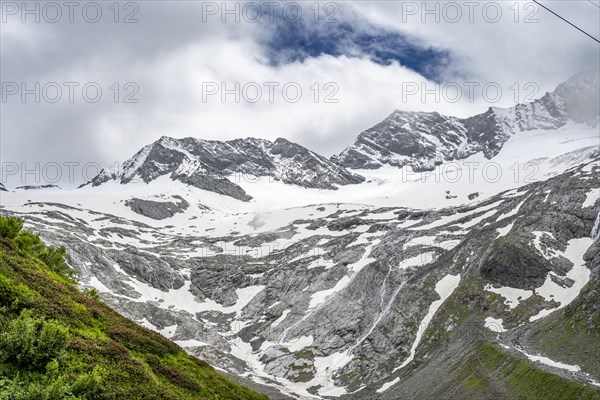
424, 140
209, 165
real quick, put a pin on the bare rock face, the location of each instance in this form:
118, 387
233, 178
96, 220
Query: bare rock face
512, 262
157, 209
423, 140
219, 166
34, 187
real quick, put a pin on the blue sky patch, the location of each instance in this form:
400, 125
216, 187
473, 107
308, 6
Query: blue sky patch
296, 41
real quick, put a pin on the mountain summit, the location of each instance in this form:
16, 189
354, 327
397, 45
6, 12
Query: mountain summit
208, 165
426, 139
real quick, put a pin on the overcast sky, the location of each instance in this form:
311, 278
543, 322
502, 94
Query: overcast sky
161, 67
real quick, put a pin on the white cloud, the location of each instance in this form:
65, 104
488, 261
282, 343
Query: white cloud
513, 49
170, 54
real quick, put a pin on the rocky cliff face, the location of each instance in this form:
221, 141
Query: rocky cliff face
209, 165
423, 140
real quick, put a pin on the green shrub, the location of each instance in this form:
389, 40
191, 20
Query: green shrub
52, 385
10, 227
87, 384
29, 243
146, 342
92, 293
31, 342
15, 295
174, 376
54, 257
11, 390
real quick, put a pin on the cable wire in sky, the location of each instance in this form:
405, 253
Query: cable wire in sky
567, 21
591, 2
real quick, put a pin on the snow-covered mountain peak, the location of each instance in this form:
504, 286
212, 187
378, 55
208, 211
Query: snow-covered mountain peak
426, 139
208, 165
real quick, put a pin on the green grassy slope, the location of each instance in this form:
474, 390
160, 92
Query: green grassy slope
59, 343
573, 334
463, 363
493, 370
